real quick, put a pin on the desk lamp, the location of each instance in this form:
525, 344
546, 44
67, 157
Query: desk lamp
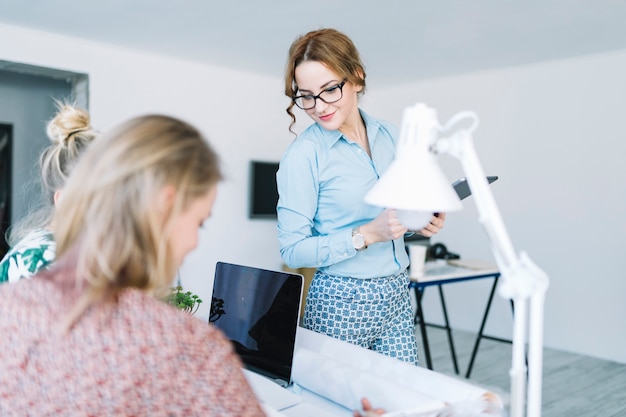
415, 185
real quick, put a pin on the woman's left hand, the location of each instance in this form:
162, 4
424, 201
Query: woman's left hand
435, 225
368, 410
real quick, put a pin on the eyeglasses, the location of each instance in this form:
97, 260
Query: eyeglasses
330, 95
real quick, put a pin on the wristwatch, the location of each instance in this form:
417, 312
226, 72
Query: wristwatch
358, 240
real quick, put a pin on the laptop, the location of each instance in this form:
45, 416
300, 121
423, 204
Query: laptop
259, 311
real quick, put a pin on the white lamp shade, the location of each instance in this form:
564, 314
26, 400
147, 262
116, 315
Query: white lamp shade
414, 184
417, 188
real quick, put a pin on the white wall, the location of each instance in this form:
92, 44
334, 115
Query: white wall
554, 132
551, 131
241, 113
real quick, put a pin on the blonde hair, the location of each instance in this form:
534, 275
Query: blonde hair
109, 229
329, 47
70, 132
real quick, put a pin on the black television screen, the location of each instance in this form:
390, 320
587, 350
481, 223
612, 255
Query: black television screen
263, 191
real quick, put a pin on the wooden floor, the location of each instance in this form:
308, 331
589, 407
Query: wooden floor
573, 385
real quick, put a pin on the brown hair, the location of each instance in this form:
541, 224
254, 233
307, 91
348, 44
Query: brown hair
329, 47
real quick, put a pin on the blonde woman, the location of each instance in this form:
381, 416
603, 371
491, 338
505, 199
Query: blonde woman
31, 241
87, 336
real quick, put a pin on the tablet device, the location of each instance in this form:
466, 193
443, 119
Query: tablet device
462, 187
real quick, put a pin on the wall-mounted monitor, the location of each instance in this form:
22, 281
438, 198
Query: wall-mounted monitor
263, 195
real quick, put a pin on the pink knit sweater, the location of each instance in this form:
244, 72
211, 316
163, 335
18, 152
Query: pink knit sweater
134, 357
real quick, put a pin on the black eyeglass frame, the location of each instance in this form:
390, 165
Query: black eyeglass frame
314, 98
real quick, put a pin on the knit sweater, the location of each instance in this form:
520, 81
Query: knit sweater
136, 356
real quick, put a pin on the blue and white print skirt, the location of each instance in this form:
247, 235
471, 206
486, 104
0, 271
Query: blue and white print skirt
373, 313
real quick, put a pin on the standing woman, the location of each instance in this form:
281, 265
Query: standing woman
87, 336
31, 240
359, 292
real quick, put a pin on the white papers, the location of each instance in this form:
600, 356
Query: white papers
346, 384
345, 373
440, 270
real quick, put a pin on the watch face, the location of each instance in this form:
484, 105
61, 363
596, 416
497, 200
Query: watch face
358, 241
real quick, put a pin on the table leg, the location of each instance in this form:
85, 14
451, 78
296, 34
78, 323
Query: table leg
449, 330
419, 316
482, 327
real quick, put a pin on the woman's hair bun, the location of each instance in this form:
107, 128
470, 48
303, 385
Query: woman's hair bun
68, 121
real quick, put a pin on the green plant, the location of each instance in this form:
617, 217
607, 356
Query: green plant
186, 301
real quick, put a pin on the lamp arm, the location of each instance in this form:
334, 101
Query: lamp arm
461, 146
522, 281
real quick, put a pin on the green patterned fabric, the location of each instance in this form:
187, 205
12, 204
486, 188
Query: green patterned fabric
30, 254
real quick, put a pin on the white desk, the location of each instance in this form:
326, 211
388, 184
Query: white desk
292, 401
439, 273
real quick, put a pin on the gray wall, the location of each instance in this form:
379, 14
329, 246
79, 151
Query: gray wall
26, 102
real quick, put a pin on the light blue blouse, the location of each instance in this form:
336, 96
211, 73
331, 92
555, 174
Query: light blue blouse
322, 180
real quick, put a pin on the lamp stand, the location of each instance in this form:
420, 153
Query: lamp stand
522, 281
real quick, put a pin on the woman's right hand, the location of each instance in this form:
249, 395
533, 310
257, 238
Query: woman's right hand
383, 228
368, 410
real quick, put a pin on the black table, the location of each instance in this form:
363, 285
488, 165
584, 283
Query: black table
440, 273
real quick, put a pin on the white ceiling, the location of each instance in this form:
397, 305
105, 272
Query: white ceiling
399, 40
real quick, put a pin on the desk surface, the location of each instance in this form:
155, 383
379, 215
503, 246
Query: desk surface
441, 271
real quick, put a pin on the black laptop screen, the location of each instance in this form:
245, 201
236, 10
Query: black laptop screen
258, 310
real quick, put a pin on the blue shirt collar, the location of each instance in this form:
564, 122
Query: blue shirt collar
371, 126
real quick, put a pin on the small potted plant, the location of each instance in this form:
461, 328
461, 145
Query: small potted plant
183, 300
